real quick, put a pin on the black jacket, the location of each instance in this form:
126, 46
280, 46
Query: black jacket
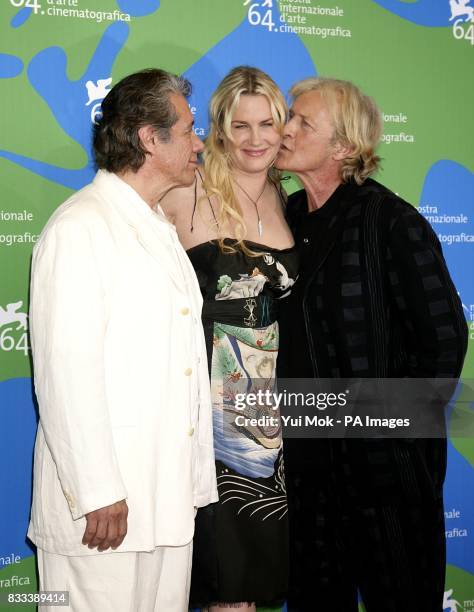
379, 302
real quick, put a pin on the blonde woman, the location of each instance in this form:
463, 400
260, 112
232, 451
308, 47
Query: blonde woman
232, 223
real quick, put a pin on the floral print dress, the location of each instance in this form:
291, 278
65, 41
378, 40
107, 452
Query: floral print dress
240, 544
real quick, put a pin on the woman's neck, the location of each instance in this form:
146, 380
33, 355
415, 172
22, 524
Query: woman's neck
253, 183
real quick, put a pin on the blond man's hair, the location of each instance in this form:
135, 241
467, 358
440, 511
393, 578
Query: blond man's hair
357, 123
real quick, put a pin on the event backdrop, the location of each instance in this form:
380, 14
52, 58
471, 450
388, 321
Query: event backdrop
58, 59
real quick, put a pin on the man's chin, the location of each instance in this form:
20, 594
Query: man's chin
188, 179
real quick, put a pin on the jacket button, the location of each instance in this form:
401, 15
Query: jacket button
191, 431
188, 371
184, 311
306, 240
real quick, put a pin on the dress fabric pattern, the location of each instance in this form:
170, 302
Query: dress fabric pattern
240, 544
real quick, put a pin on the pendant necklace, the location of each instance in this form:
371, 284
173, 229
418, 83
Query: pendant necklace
255, 203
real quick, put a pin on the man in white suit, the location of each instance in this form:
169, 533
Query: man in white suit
124, 451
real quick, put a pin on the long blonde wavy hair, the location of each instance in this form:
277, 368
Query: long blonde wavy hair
357, 123
240, 81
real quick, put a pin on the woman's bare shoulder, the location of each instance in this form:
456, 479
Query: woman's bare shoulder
180, 199
177, 200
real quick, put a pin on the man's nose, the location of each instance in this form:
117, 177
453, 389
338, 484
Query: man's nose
289, 129
198, 145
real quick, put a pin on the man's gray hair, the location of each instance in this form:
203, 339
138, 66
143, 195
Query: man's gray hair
140, 99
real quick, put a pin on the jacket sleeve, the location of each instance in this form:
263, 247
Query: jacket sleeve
425, 298
68, 325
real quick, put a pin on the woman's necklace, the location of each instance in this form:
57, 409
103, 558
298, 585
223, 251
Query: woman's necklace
255, 203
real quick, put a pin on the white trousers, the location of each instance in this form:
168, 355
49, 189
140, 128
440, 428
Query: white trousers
155, 581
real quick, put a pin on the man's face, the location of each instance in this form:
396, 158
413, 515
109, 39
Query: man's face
176, 160
308, 144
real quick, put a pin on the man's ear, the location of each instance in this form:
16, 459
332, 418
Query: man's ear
342, 151
148, 138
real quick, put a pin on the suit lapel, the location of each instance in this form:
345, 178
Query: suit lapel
153, 230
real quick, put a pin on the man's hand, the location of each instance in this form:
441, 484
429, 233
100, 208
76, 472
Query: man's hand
106, 527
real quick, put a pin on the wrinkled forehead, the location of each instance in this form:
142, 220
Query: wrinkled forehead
310, 103
313, 105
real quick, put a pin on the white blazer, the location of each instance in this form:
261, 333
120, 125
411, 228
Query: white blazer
120, 374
